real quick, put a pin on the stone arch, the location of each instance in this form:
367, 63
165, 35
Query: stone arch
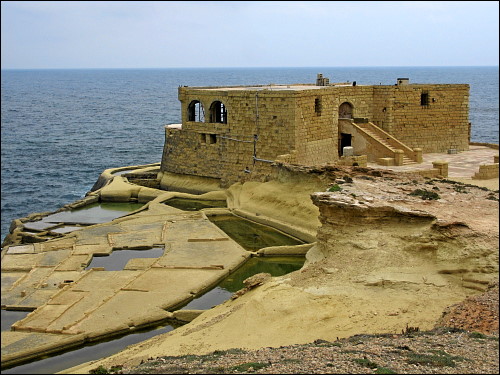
196, 112
346, 111
218, 112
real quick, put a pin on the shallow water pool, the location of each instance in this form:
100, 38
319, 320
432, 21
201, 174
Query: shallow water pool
250, 235
95, 213
276, 266
194, 204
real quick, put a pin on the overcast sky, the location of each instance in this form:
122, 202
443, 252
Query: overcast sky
133, 34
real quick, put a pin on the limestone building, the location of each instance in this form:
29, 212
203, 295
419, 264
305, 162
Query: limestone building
227, 132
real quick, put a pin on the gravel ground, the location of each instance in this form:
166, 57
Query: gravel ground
433, 352
466, 346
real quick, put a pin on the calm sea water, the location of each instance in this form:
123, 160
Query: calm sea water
62, 128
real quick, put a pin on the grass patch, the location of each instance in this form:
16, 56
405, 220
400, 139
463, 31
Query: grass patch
99, 370
425, 194
292, 360
325, 343
365, 362
460, 189
229, 351
103, 370
216, 370
384, 370
248, 365
438, 358
477, 335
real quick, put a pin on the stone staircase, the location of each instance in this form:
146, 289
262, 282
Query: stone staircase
378, 138
388, 143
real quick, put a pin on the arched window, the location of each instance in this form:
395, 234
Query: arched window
218, 113
345, 110
196, 112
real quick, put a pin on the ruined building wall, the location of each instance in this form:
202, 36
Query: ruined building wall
225, 151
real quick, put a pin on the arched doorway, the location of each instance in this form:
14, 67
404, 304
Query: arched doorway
345, 111
344, 138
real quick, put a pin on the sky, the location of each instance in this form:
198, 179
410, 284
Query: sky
195, 34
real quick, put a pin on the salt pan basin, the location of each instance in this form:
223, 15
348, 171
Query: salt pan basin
74, 305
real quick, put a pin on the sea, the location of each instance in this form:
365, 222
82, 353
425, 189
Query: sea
61, 128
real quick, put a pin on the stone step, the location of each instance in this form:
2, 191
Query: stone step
379, 139
407, 161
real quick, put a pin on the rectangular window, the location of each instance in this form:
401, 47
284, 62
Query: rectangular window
202, 138
213, 138
317, 106
424, 98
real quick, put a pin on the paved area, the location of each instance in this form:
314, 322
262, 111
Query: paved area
462, 165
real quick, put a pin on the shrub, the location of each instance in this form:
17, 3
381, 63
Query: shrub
99, 370
335, 188
460, 189
425, 194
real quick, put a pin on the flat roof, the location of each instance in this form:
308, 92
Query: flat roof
299, 87
304, 86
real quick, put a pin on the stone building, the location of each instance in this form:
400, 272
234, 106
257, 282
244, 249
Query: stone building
228, 132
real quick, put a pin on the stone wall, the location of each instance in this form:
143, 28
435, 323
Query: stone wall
486, 172
440, 125
316, 132
258, 124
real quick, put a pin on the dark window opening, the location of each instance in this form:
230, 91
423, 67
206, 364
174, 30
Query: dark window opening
424, 98
196, 112
218, 113
208, 138
345, 141
317, 106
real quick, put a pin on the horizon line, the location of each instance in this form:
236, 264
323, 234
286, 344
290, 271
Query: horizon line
262, 67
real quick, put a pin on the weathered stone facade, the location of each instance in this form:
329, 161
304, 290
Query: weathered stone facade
228, 133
